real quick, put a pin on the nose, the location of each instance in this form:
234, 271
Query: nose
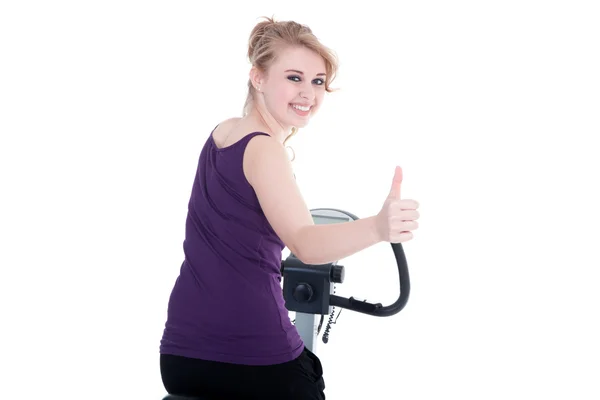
308, 92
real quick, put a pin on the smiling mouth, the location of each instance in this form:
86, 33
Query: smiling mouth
301, 108
302, 111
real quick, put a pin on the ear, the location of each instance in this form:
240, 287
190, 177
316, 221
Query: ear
256, 77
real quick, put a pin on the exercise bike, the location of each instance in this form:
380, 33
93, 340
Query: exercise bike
309, 290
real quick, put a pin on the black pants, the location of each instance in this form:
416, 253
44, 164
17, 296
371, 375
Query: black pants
299, 379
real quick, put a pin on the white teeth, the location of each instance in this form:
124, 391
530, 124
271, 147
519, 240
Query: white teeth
300, 107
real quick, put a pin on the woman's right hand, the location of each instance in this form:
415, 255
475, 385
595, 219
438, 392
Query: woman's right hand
397, 218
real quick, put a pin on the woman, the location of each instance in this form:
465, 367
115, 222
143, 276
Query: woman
228, 334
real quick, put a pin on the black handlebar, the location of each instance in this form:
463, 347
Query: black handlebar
377, 309
335, 273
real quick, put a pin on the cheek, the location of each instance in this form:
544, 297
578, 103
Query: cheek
320, 97
282, 100
286, 98
277, 102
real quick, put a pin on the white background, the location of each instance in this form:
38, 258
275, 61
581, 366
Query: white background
491, 109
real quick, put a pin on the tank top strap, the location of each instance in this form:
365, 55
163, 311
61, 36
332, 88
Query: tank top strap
243, 142
240, 144
253, 134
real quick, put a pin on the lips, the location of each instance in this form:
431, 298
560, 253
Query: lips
303, 111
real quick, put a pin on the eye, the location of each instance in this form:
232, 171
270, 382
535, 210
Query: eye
296, 78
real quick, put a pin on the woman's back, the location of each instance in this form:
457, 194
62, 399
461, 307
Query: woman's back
227, 304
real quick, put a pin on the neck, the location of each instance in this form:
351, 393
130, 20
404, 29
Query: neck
267, 123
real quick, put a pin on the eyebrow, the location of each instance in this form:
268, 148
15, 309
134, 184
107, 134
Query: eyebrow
301, 73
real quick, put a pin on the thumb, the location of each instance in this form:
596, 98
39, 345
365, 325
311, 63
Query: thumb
396, 183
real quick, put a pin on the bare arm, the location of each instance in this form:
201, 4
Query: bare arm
331, 242
269, 171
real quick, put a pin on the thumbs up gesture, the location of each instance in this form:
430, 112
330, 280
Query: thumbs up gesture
397, 217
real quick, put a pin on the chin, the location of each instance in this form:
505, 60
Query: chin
302, 123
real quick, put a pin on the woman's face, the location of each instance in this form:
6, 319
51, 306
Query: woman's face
294, 86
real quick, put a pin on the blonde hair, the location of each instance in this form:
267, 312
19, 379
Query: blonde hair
268, 36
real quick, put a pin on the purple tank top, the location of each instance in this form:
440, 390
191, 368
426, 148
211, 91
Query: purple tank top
227, 303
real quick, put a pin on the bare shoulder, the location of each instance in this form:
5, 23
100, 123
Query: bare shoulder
264, 153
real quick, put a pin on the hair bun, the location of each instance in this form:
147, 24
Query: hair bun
257, 34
